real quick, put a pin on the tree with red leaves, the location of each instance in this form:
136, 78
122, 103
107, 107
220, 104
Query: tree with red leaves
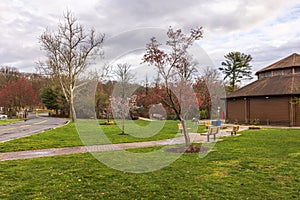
18, 94
175, 68
209, 89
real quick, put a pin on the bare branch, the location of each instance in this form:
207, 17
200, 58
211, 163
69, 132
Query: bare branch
69, 52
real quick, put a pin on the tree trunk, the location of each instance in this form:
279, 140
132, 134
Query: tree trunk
72, 115
123, 119
107, 116
123, 126
186, 134
72, 109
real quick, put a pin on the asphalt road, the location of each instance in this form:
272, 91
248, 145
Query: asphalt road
32, 126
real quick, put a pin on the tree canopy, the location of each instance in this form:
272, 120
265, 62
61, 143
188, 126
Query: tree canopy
18, 94
236, 68
175, 68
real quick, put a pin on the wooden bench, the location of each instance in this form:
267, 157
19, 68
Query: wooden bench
207, 124
180, 128
213, 130
234, 130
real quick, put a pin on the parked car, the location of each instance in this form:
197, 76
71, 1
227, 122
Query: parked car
3, 117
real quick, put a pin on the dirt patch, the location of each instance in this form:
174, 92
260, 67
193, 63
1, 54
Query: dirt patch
190, 149
123, 134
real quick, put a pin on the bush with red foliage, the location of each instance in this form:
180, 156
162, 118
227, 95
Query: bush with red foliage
18, 94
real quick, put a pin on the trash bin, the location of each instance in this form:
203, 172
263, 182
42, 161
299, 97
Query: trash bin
216, 123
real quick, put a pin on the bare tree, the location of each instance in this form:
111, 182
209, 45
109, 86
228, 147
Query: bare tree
207, 87
172, 64
69, 51
124, 76
8, 74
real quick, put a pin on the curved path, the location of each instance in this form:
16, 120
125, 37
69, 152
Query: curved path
109, 147
32, 126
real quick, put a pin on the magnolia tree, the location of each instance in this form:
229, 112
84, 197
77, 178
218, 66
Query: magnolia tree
175, 68
120, 108
122, 92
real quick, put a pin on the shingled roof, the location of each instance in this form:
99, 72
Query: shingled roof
286, 84
290, 61
271, 86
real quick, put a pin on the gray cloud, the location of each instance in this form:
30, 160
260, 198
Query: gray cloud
228, 25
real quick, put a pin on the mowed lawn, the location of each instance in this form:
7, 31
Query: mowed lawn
8, 121
67, 136
259, 164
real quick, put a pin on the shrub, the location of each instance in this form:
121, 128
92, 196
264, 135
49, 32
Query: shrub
203, 114
254, 128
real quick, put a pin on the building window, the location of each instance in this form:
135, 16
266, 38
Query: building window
279, 72
265, 74
297, 70
282, 72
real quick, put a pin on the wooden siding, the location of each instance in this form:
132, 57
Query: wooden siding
297, 114
267, 110
271, 110
236, 110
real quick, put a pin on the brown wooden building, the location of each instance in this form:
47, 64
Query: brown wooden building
273, 99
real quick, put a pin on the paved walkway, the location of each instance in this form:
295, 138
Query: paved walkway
195, 137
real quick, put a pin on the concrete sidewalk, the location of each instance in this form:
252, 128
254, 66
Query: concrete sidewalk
195, 137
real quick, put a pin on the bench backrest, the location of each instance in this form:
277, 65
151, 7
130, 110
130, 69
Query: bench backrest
206, 123
213, 130
179, 126
235, 128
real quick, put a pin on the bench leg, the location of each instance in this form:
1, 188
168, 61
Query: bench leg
233, 132
215, 137
207, 138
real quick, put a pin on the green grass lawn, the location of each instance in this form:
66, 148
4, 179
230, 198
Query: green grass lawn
67, 136
259, 164
9, 121
60, 137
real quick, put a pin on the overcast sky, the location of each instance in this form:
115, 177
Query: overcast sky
267, 29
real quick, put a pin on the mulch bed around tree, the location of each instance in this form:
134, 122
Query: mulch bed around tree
190, 149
